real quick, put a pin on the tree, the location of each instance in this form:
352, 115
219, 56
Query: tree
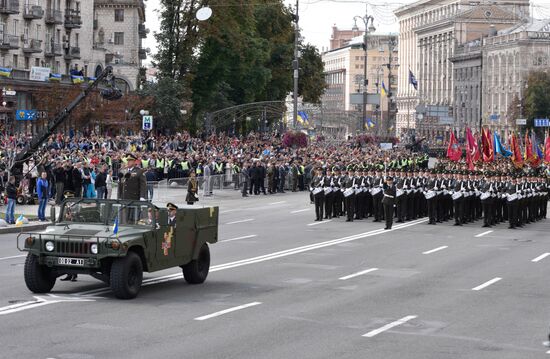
166, 103
537, 96
312, 83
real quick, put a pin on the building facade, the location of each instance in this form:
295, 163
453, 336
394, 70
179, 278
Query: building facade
65, 37
344, 75
430, 30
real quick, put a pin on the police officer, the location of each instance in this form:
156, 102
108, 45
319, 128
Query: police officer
389, 201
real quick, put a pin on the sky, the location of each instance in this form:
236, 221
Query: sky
318, 16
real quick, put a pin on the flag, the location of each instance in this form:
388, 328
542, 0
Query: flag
536, 156
412, 80
91, 80
55, 77
5, 72
517, 160
19, 221
115, 226
472, 149
499, 147
369, 123
77, 79
547, 148
454, 152
302, 118
528, 152
487, 144
384, 91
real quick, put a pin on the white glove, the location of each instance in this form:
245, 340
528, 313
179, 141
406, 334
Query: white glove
142, 199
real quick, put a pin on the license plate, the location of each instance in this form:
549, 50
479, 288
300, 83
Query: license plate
70, 261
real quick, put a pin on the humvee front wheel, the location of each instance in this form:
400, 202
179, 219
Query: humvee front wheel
196, 271
38, 278
126, 276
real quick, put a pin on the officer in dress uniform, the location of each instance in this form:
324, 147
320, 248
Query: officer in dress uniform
329, 195
389, 201
132, 182
377, 185
317, 189
172, 210
349, 195
512, 203
458, 201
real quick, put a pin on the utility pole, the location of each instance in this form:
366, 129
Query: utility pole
295, 64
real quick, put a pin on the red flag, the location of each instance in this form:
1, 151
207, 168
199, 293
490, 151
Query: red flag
528, 155
547, 148
454, 152
487, 143
516, 151
472, 150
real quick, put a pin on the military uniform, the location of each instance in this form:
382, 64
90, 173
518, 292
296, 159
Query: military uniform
132, 184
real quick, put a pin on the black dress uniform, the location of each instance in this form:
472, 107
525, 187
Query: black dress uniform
132, 184
377, 210
388, 202
318, 198
350, 199
512, 203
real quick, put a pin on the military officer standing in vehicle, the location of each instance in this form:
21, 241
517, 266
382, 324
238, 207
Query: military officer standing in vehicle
132, 183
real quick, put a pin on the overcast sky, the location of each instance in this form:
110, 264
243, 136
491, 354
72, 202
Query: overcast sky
318, 16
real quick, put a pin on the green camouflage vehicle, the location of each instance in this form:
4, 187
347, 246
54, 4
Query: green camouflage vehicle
116, 241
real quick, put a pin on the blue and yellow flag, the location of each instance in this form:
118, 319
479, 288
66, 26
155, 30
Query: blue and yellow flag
55, 77
19, 221
115, 226
5, 72
369, 123
77, 79
302, 118
91, 79
384, 91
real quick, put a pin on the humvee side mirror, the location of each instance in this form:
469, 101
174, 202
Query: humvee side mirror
52, 214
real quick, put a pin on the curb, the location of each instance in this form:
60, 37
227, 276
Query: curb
29, 227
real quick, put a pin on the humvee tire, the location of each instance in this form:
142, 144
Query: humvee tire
38, 278
126, 276
196, 271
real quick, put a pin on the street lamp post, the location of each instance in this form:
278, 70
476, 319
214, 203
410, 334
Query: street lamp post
366, 19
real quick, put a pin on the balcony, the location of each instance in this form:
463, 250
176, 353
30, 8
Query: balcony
53, 50
72, 53
54, 17
73, 20
32, 46
9, 42
142, 54
8, 7
142, 31
33, 12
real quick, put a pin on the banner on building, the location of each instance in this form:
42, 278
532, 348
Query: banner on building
39, 73
26, 115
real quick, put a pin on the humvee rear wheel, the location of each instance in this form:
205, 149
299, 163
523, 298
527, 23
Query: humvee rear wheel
126, 276
38, 278
196, 271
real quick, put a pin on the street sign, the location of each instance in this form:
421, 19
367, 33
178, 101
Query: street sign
521, 121
147, 123
357, 99
542, 122
494, 117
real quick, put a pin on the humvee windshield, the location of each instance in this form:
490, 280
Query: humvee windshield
133, 213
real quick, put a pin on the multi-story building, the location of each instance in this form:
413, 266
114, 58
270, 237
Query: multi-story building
430, 30
344, 74
66, 37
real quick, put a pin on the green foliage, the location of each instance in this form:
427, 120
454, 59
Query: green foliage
537, 96
311, 85
166, 106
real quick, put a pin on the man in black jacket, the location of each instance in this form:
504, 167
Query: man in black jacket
59, 176
77, 180
101, 182
11, 193
389, 201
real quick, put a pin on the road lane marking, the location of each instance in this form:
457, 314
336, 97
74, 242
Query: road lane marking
273, 203
482, 234
225, 311
12, 257
300, 210
541, 257
320, 222
386, 327
41, 301
241, 221
435, 250
358, 273
486, 284
237, 238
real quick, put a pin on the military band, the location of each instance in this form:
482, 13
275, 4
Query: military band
360, 192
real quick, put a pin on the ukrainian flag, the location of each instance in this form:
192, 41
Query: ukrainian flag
5, 72
55, 77
77, 79
369, 123
384, 91
115, 226
91, 79
302, 118
19, 221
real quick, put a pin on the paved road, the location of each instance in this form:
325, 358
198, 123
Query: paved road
281, 287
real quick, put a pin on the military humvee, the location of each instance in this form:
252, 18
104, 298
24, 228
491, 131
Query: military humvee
116, 241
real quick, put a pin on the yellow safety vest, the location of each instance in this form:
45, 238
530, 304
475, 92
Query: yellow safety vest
185, 165
160, 163
199, 171
144, 163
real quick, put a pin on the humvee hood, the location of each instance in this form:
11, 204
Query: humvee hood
92, 230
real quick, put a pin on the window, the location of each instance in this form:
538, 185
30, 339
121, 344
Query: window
37, 62
119, 38
119, 15
15, 61
76, 40
27, 63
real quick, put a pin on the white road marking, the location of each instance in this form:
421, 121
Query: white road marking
231, 210
482, 234
222, 312
358, 273
300, 211
386, 327
320, 222
272, 203
241, 221
237, 238
435, 250
40, 302
541, 257
486, 284
12, 257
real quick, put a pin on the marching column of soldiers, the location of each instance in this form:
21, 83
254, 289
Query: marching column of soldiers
356, 192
